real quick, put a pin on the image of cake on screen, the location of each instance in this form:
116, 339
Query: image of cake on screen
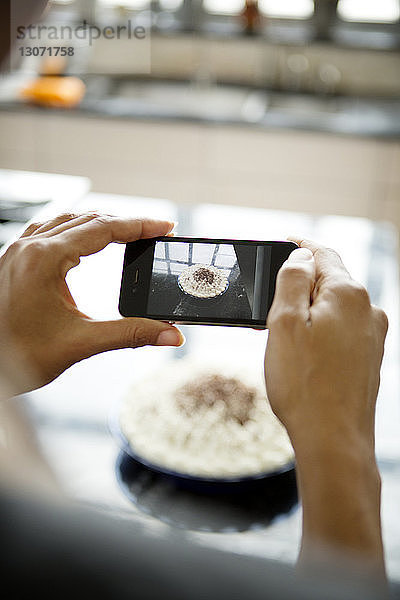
201, 279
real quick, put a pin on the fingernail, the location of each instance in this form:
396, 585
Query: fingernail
301, 254
170, 337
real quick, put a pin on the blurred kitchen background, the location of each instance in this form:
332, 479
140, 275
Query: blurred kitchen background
288, 104
250, 120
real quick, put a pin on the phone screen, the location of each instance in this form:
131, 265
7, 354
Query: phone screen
201, 280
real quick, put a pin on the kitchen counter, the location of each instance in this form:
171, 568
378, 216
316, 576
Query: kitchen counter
229, 105
72, 414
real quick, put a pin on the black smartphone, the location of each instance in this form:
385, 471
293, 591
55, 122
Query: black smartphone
201, 280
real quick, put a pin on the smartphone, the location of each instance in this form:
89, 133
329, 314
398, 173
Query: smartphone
201, 280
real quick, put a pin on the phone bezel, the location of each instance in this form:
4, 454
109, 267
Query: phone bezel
134, 250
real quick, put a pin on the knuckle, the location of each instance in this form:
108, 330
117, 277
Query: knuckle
285, 318
101, 219
27, 254
139, 336
271, 318
36, 246
328, 255
351, 293
32, 227
293, 270
382, 319
359, 294
16, 247
294, 275
33, 251
332, 252
67, 216
92, 214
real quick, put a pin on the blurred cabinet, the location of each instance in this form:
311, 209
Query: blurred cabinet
191, 163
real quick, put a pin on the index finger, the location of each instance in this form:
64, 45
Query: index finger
328, 264
94, 235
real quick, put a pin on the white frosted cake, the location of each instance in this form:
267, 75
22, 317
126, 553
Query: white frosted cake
203, 281
204, 421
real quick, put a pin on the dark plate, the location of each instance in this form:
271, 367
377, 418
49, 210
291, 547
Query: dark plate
227, 511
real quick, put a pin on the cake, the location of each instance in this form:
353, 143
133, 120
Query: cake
203, 281
204, 420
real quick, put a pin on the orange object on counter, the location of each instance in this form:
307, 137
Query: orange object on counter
55, 91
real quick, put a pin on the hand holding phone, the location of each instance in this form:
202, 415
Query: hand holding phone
201, 280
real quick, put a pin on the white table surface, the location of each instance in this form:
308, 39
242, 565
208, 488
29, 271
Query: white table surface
58, 191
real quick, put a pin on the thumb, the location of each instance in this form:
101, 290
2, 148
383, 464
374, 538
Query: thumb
294, 284
131, 332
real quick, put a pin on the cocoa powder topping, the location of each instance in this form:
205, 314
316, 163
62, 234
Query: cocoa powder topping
238, 398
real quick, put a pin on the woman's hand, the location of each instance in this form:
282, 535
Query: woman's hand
325, 347
41, 329
322, 369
